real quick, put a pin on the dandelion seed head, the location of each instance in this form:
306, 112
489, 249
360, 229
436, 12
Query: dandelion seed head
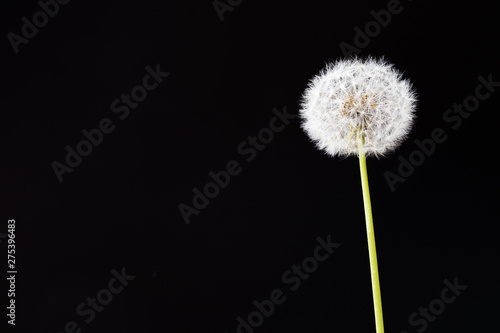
358, 97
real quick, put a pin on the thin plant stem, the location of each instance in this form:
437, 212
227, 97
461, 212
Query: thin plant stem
377, 299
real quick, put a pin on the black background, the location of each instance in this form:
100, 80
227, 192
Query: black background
119, 207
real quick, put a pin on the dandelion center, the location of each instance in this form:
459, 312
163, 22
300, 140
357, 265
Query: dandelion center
360, 109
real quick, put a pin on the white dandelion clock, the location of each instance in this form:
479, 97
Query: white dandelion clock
360, 107
351, 98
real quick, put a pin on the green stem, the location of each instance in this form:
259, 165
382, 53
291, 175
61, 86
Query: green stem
377, 299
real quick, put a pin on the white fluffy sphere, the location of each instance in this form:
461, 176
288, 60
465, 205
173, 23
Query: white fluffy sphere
358, 97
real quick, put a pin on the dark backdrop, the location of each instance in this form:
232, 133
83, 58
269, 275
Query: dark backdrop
119, 207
